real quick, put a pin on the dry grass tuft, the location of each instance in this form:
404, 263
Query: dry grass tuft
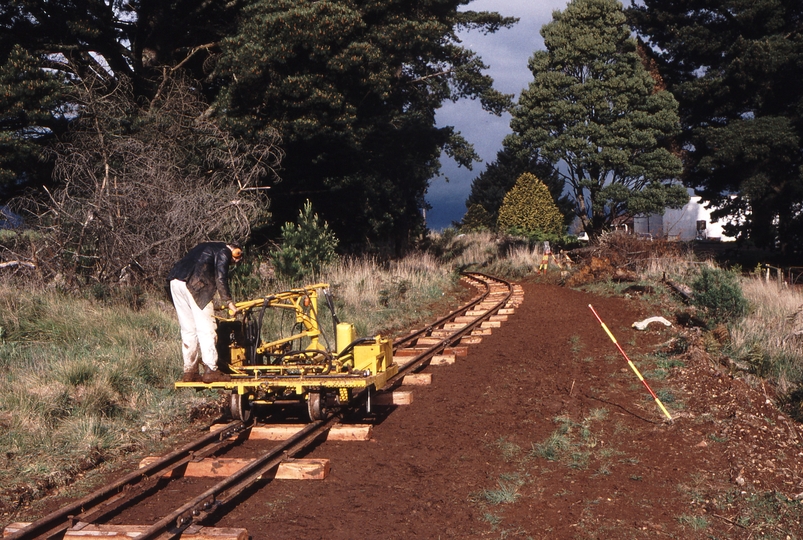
770, 337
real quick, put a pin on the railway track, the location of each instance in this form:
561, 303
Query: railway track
440, 341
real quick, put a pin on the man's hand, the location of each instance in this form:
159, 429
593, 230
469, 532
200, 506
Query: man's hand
233, 309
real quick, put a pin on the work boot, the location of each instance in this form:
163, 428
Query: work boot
215, 376
191, 376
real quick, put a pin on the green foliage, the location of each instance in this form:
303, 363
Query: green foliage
476, 218
594, 111
307, 246
735, 67
530, 206
353, 88
506, 493
28, 99
488, 190
718, 293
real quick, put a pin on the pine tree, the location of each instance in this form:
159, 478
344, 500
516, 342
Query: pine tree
593, 113
735, 67
28, 117
476, 218
489, 188
353, 88
307, 246
529, 206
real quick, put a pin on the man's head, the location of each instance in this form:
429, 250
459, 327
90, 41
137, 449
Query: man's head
236, 251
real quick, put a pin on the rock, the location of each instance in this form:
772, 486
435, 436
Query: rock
642, 325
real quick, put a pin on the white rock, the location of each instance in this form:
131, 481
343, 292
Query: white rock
642, 325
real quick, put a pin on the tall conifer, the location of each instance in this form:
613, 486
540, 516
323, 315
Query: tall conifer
593, 113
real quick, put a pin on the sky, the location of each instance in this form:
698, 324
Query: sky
505, 53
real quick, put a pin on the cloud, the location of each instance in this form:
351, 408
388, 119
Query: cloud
506, 53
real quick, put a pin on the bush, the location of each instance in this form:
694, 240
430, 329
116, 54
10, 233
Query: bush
307, 246
529, 206
718, 293
476, 218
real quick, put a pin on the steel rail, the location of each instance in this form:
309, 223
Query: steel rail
446, 318
202, 506
62, 519
208, 502
421, 360
205, 504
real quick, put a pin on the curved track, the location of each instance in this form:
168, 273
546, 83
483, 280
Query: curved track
412, 353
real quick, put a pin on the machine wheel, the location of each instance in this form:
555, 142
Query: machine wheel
316, 406
240, 407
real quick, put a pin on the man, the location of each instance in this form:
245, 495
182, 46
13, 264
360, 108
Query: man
194, 280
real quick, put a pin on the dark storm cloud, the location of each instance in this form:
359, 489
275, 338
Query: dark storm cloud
506, 53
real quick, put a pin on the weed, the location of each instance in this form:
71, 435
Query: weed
506, 493
597, 415
665, 395
680, 345
492, 519
553, 448
579, 460
716, 438
766, 509
658, 374
696, 523
574, 342
609, 452
669, 363
508, 449
604, 469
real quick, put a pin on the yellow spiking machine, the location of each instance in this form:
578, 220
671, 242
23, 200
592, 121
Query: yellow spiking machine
301, 363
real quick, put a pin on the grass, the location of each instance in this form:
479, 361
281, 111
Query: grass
89, 379
506, 492
695, 523
573, 443
509, 450
83, 384
765, 338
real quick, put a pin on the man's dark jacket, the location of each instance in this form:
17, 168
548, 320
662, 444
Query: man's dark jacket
205, 269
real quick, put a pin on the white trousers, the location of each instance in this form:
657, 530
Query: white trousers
198, 336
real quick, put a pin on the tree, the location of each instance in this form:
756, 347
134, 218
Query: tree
113, 39
477, 218
735, 67
353, 88
593, 113
140, 184
29, 99
47, 46
529, 206
351, 85
307, 246
490, 187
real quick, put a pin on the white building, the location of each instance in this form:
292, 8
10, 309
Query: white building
692, 222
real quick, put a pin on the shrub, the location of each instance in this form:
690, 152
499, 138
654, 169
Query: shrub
718, 293
530, 206
307, 246
476, 218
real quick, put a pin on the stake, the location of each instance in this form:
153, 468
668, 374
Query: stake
632, 366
